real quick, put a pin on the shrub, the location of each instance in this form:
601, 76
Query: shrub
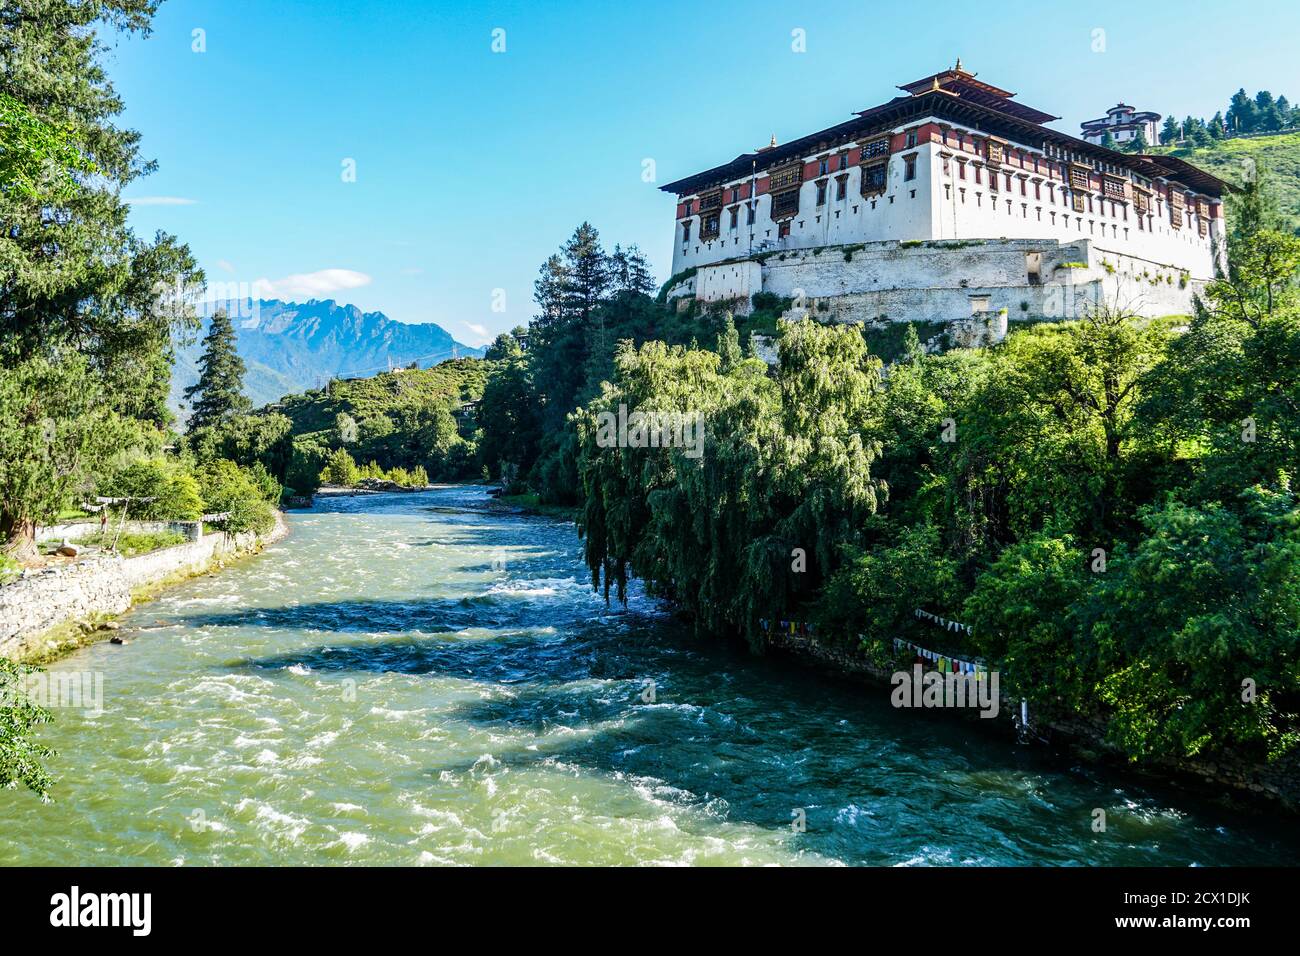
171, 492
229, 490
340, 469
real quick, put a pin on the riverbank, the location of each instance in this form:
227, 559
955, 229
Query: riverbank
55, 610
1270, 785
529, 504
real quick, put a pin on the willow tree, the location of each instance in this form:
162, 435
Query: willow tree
74, 279
749, 522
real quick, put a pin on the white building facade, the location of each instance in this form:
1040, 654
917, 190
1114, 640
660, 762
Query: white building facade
957, 163
1123, 122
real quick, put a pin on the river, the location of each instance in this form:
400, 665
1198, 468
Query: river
413, 679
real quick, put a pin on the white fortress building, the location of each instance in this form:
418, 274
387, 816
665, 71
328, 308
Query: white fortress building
949, 202
1123, 123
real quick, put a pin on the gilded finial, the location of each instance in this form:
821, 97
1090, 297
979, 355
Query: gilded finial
959, 64
772, 144
935, 84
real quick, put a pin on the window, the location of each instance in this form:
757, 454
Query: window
821, 193
785, 204
841, 187
785, 177
735, 194
875, 149
993, 179
823, 166
734, 217
750, 217
711, 201
874, 178
709, 226
993, 151
686, 231
909, 167
977, 175
911, 139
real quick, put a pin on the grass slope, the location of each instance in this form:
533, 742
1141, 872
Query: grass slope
1231, 158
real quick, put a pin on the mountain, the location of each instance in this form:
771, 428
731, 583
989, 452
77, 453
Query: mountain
292, 346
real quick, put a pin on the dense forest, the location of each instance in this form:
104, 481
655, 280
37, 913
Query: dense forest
1245, 115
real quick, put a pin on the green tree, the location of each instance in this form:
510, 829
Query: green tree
239, 495
21, 758
72, 273
162, 489
340, 469
1208, 601
1170, 132
37, 160
56, 430
218, 394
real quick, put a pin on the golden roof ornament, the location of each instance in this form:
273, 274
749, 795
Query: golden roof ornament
958, 64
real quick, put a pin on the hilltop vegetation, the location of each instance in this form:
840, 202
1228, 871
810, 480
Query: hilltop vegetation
397, 421
1236, 159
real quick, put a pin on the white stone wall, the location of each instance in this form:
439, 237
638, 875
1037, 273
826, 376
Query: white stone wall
73, 530
731, 281
948, 281
102, 585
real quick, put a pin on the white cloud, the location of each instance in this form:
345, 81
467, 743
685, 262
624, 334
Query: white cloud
161, 201
309, 285
480, 331
225, 266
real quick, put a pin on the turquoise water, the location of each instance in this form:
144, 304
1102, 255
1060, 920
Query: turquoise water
410, 679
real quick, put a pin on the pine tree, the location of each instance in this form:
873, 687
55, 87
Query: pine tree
221, 377
1108, 141
630, 272
1243, 114
1169, 132
1139, 144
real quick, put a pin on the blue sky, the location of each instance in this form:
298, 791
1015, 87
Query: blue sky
473, 166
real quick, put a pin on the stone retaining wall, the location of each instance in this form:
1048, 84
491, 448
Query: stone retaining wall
72, 530
102, 586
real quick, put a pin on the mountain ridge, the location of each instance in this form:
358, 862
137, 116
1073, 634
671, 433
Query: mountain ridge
290, 347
